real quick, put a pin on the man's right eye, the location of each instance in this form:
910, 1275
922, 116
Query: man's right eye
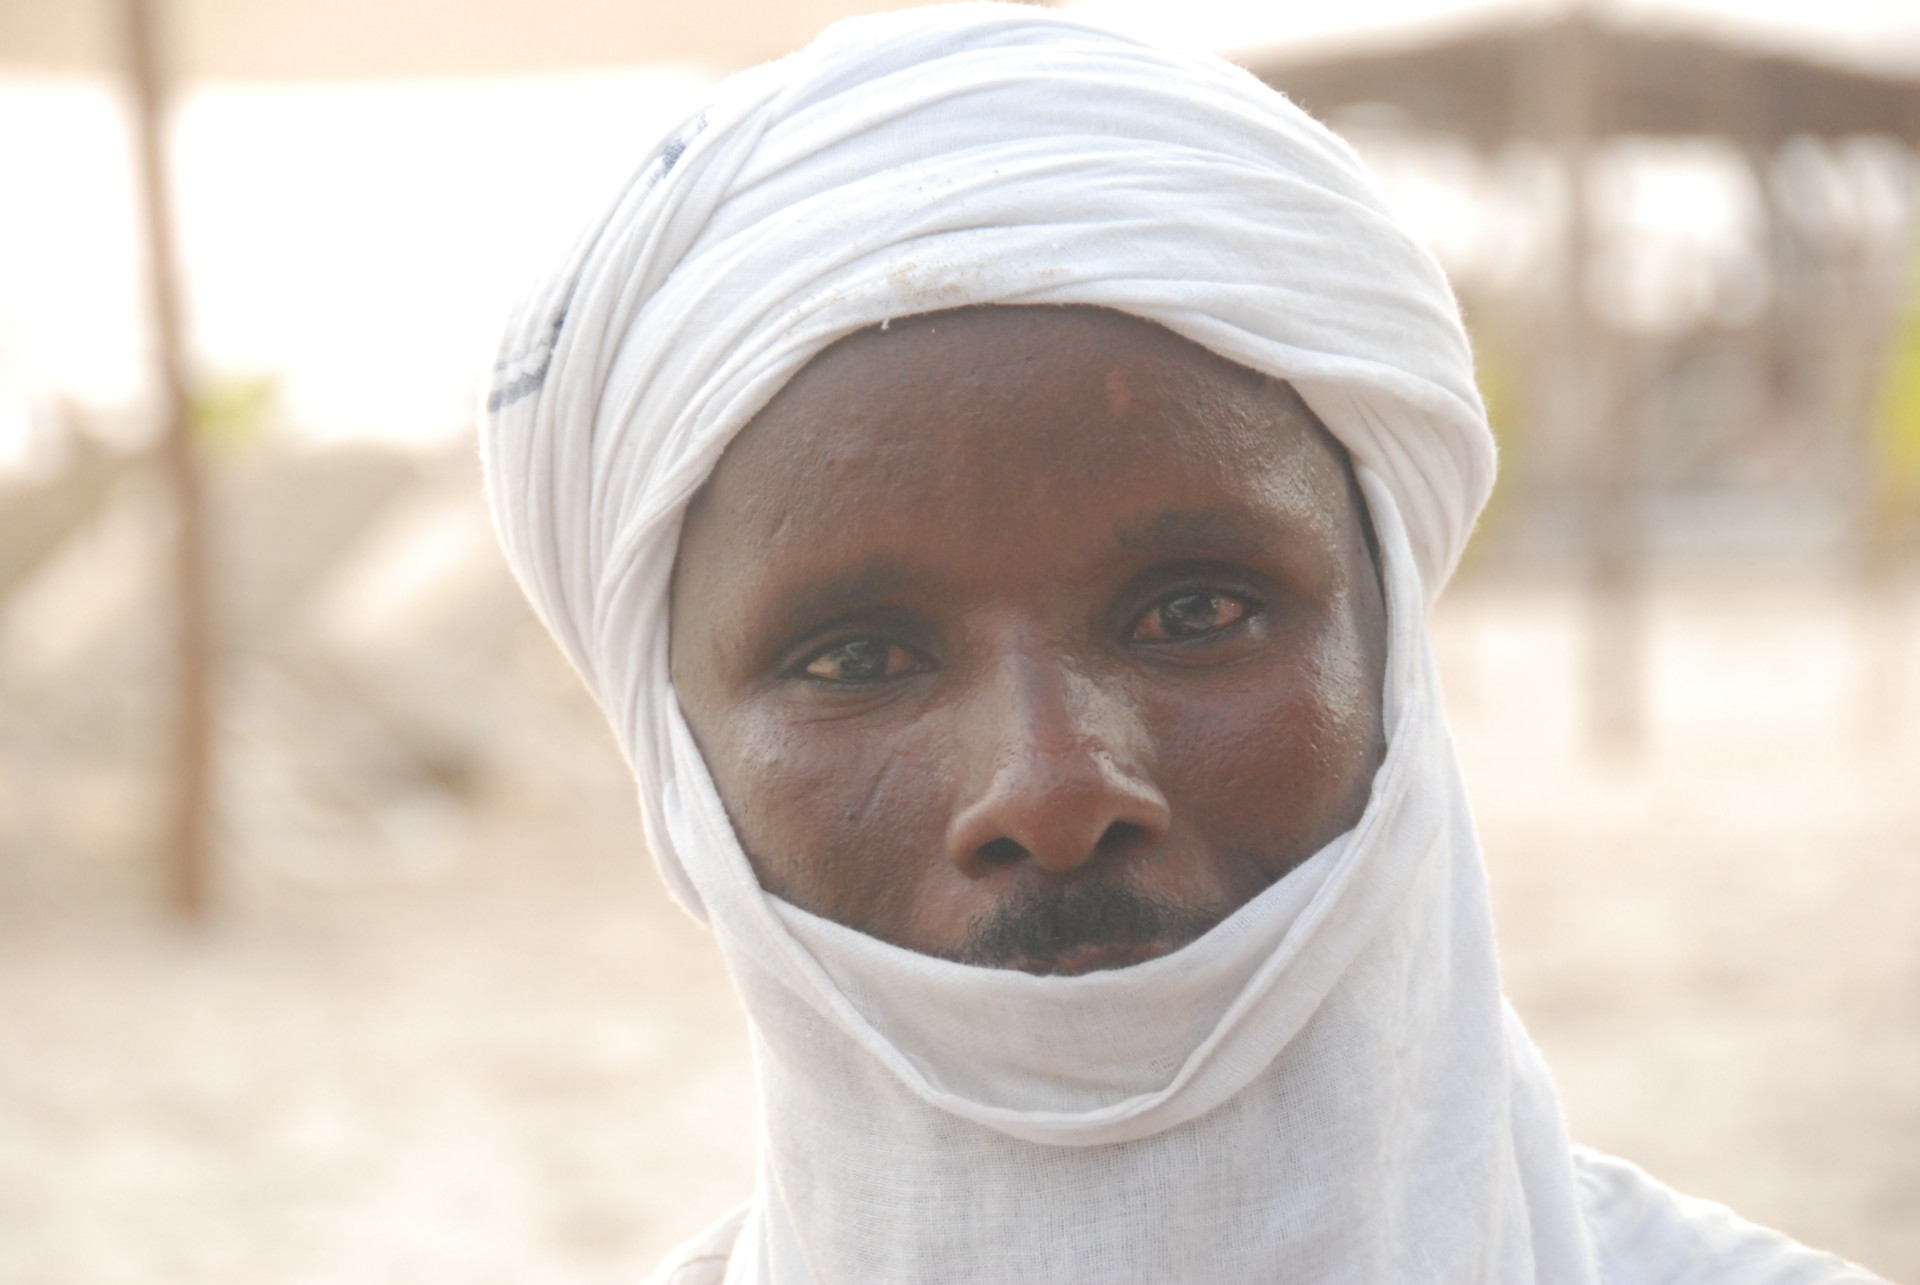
861, 660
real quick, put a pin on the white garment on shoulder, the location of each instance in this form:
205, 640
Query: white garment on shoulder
704, 1259
1648, 1234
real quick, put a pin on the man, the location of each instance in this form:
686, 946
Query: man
993, 475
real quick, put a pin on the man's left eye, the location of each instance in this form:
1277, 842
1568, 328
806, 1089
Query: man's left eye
1189, 615
861, 660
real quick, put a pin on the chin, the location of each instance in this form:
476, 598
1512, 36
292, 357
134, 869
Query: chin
1076, 960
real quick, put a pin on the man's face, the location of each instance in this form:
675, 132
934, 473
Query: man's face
1036, 638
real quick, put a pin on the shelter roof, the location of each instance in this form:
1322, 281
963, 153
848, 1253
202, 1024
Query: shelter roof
1510, 79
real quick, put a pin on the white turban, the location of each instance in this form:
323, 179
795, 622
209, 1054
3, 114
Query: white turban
1325, 1088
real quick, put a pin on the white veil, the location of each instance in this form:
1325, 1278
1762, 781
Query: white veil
1325, 1088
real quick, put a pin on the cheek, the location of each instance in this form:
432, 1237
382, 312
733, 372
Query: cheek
1275, 761
841, 818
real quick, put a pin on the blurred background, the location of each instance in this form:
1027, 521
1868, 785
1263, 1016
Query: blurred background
329, 950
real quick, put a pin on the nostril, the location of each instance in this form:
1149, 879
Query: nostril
1119, 836
1001, 852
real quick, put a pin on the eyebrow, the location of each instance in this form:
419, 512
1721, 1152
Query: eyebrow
1211, 531
809, 605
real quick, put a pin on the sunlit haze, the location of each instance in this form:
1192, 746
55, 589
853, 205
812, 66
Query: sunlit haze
359, 243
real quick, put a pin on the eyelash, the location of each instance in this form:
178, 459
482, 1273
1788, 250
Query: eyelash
805, 668
1249, 606
1219, 600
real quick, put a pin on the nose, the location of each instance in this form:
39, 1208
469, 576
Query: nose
1053, 772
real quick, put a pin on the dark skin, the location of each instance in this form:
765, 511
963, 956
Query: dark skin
1034, 638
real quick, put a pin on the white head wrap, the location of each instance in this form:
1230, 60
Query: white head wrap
1325, 1088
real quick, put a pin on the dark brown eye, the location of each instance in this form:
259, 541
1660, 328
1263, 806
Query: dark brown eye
1189, 615
861, 660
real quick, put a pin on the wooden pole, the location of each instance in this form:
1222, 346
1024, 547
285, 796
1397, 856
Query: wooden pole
189, 810
1572, 91
1617, 627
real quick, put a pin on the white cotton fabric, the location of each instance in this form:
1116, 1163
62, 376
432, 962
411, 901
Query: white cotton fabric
1328, 1086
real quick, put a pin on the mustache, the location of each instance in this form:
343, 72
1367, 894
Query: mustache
1040, 929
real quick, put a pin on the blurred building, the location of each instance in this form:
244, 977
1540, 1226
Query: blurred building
1687, 270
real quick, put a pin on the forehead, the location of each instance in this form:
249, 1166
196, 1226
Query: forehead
1005, 410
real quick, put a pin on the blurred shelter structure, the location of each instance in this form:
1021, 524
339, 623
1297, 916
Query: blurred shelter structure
153, 45
1636, 421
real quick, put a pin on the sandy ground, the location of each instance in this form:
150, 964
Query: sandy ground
518, 1063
